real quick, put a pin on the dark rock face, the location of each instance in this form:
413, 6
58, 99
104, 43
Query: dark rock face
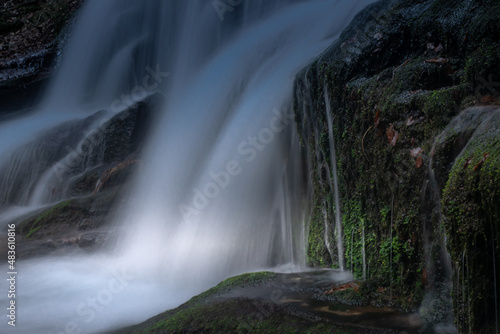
394, 80
94, 183
78, 152
41, 154
32, 35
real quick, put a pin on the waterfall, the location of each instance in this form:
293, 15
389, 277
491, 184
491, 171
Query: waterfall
221, 189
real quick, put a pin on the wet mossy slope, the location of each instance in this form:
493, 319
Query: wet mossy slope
397, 76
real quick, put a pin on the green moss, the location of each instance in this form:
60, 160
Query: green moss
213, 312
49, 212
240, 315
244, 280
31, 227
381, 184
32, 231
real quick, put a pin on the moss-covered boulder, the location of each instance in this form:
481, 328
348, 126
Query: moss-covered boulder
471, 213
381, 95
57, 218
266, 302
69, 225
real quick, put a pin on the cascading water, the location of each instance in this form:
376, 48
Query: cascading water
221, 188
335, 185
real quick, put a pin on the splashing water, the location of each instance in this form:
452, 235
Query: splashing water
221, 189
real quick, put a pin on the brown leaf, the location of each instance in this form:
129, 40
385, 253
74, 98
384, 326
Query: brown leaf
467, 163
416, 152
419, 161
342, 287
404, 64
392, 135
437, 60
377, 117
488, 99
480, 163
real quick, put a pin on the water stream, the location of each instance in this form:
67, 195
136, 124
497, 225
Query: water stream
221, 190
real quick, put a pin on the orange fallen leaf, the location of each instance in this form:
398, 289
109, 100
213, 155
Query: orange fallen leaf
392, 135
480, 163
419, 161
342, 287
377, 117
467, 162
437, 60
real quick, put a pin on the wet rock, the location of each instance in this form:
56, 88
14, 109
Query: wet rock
58, 219
117, 175
414, 65
32, 35
77, 153
49, 245
471, 215
94, 239
56, 150
273, 303
91, 223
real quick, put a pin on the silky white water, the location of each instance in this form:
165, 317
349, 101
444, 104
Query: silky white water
220, 191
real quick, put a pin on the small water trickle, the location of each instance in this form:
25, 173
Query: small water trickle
352, 250
437, 305
494, 277
363, 250
327, 230
336, 196
390, 255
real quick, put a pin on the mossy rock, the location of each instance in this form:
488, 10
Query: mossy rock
221, 310
242, 315
472, 218
405, 67
61, 217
